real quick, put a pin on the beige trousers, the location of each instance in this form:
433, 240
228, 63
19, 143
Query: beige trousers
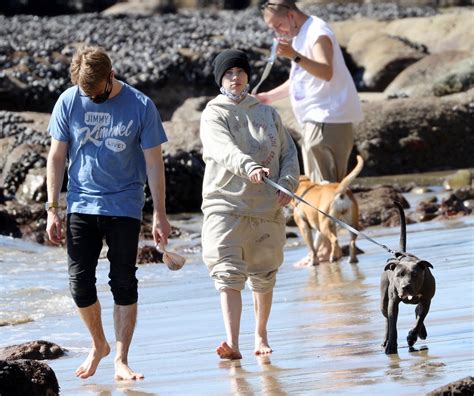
237, 249
326, 149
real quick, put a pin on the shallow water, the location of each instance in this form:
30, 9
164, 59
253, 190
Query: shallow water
325, 327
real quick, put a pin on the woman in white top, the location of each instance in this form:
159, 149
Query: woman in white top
323, 94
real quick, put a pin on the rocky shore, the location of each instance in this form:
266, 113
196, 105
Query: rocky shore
415, 65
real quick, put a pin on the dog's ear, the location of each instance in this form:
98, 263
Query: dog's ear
391, 264
424, 264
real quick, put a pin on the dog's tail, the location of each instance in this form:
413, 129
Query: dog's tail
403, 227
345, 183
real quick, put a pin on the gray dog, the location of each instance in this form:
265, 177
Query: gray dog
406, 279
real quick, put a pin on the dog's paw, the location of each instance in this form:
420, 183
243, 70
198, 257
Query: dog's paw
423, 334
412, 337
353, 261
384, 344
391, 348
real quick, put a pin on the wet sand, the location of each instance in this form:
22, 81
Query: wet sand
325, 328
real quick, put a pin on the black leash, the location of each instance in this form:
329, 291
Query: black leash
336, 220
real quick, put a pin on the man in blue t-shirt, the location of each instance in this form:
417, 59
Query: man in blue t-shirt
112, 135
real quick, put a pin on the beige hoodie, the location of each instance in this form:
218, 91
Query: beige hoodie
236, 139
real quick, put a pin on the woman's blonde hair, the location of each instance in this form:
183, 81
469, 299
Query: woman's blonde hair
90, 65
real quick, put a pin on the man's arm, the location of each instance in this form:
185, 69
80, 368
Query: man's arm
54, 177
321, 66
155, 170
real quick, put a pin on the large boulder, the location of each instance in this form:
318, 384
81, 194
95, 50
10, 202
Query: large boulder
438, 33
462, 387
370, 44
182, 136
408, 135
37, 350
432, 73
460, 78
27, 377
381, 57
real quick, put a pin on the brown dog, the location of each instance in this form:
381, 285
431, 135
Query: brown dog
335, 199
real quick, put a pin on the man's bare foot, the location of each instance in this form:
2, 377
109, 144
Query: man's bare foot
261, 346
225, 351
89, 366
123, 372
307, 261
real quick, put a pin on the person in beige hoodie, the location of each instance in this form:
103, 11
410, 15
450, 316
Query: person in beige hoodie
243, 231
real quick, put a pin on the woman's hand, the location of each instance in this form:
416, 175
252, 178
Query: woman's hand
283, 199
285, 49
256, 176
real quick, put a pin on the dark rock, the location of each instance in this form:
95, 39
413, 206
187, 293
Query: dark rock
37, 350
428, 206
376, 206
27, 377
184, 176
168, 56
53, 7
149, 254
410, 136
462, 387
454, 205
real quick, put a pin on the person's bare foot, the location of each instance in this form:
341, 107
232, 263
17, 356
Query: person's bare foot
225, 351
323, 257
123, 372
89, 366
306, 261
261, 346
324, 252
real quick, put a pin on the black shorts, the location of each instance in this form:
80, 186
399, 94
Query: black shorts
85, 234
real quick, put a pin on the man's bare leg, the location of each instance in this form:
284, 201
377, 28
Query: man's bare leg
231, 304
125, 317
91, 316
262, 303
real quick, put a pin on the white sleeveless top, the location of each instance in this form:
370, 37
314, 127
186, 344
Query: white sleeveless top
317, 100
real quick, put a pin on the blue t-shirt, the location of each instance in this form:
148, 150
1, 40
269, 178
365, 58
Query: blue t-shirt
107, 169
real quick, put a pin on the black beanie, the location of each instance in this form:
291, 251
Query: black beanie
228, 59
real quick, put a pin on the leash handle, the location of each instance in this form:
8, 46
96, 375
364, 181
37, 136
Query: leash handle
334, 219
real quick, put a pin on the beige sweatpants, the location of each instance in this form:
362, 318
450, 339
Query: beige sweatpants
326, 149
237, 249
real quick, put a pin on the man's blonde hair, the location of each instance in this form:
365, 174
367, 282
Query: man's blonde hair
90, 65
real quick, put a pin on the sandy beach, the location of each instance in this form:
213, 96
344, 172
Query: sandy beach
325, 328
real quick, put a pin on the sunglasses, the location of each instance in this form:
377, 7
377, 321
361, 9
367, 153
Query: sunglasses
268, 4
101, 98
